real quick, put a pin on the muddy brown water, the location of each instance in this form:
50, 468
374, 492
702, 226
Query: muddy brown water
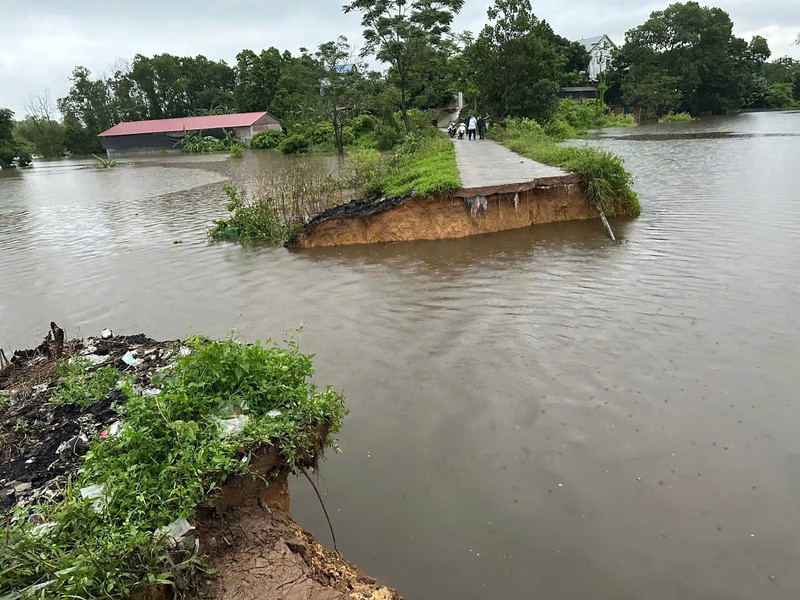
535, 414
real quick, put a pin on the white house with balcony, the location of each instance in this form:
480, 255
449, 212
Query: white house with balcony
599, 49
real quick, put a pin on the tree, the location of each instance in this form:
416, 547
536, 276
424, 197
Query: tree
398, 31
518, 62
339, 85
88, 109
12, 152
692, 47
257, 77
40, 129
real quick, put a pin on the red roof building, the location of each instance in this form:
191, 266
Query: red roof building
162, 134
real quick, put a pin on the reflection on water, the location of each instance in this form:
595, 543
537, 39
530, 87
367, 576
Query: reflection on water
537, 412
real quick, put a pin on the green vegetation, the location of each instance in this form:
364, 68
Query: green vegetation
237, 151
271, 209
197, 143
250, 219
574, 119
608, 185
400, 33
13, 152
681, 117
169, 455
81, 388
424, 164
685, 58
268, 139
103, 163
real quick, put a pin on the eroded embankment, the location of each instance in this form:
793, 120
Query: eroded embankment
467, 212
66, 405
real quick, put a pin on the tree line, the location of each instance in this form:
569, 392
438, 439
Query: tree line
683, 58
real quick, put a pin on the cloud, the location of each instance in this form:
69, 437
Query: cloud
43, 44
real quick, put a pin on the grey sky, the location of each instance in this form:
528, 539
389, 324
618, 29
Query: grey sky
44, 39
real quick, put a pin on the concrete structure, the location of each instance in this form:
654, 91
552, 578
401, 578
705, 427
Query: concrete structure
500, 190
164, 134
599, 49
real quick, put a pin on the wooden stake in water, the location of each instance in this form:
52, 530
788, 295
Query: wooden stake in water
609, 231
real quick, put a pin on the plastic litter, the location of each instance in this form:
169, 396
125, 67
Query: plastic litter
113, 429
95, 359
232, 426
274, 413
150, 392
42, 529
185, 351
179, 533
130, 360
95, 492
106, 333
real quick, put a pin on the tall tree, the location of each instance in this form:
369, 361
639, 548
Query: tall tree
339, 85
40, 128
685, 58
398, 31
518, 61
257, 77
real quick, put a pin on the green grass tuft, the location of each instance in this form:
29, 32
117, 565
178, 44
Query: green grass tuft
80, 387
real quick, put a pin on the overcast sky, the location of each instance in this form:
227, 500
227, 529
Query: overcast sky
42, 40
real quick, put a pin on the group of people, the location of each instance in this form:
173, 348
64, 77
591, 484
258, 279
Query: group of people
474, 127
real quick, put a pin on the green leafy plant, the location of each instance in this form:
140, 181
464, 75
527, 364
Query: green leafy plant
169, 456
267, 139
103, 163
681, 117
82, 388
609, 187
295, 144
271, 208
237, 152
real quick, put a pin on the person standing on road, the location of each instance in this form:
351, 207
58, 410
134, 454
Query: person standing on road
481, 127
473, 125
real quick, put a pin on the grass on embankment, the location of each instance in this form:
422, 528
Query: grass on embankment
608, 185
423, 165
170, 454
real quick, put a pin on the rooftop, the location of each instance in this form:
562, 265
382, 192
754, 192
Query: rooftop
188, 124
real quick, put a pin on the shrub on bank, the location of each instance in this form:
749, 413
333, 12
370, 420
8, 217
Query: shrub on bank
267, 139
295, 144
169, 455
609, 186
271, 208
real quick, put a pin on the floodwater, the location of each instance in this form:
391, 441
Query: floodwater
534, 414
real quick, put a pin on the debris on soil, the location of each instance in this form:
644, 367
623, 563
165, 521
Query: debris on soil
41, 443
245, 532
361, 207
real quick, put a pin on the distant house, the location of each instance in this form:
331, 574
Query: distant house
164, 134
579, 93
599, 49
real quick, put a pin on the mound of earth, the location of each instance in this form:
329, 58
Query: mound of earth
246, 532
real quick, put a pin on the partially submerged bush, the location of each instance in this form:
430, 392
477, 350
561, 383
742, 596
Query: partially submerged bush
169, 455
680, 117
267, 139
295, 144
608, 185
271, 208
